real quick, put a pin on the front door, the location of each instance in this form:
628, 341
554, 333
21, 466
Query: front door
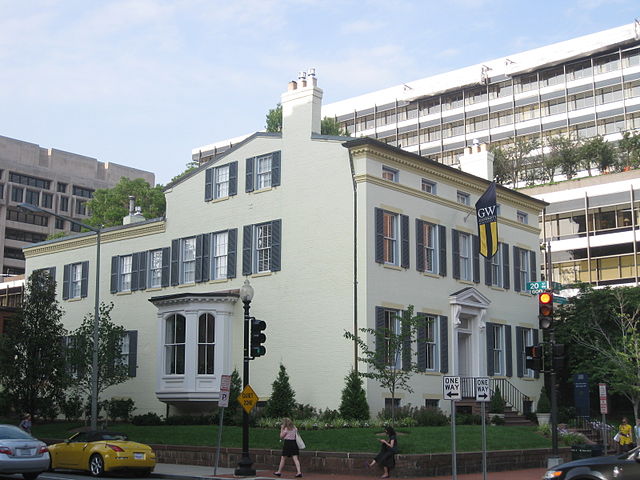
464, 354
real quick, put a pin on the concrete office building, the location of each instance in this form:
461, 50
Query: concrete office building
55, 180
334, 234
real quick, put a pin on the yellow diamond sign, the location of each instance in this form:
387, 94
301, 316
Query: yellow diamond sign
248, 399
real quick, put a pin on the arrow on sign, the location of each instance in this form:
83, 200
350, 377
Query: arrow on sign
483, 395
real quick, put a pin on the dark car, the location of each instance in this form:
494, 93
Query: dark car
613, 467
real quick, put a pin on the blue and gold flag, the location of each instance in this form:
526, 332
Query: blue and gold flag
487, 213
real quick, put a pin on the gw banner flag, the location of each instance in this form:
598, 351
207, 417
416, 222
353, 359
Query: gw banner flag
487, 213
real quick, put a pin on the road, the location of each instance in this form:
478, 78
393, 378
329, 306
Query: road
60, 475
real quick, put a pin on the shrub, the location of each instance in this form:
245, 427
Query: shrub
430, 417
353, 404
497, 402
544, 406
468, 419
282, 401
192, 420
573, 438
303, 412
71, 407
496, 420
147, 419
328, 415
121, 409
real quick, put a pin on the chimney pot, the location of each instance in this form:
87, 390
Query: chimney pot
293, 85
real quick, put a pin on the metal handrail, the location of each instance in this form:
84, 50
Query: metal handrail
511, 395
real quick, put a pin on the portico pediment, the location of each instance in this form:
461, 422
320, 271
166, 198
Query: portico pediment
469, 297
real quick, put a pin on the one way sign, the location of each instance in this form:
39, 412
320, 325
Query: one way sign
483, 394
451, 388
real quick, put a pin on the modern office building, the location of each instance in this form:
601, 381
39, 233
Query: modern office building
334, 234
55, 180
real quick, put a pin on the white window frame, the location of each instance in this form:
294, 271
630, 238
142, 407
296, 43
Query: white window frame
219, 255
392, 324
221, 181
174, 347
498, 350
522, 217
432, 353
428, 186
206, 344
527, 341
264, 168
431, 247
390, 230
188, 260
525, 275
464, 198
124, 273
390, 174
464, 250
125, 349
263, 241
75, 280
155, 268
497, 268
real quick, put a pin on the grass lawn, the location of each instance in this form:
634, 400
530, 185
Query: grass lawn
410, 440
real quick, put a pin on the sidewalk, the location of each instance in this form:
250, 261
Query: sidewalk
195, 472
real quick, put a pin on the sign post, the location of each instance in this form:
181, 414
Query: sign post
451, 391
223, 402
604, 409
483, 395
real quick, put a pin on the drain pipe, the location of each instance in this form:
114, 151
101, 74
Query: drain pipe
355, 263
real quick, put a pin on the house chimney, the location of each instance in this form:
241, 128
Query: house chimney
301, 106
477, 160
135, 213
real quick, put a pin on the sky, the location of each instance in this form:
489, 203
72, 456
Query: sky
143, 82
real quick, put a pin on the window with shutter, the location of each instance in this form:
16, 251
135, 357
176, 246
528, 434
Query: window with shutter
427, 253
263, 171
428, 351
261, 247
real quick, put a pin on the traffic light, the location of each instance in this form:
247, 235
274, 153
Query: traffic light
534, 355
545, 309
257, 337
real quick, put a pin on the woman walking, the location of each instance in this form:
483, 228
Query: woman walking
624, 436
388, 448
288, 432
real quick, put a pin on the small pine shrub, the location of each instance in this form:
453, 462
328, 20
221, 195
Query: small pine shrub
353, 404
282, 401
496, 405
147, 419
543, 406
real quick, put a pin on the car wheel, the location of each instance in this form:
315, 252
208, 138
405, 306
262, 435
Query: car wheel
31, 475
96, 465
142, 473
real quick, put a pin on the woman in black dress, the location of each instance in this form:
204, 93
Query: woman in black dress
388, 448
288, 433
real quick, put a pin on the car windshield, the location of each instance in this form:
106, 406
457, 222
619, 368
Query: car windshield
113, 436
9, 431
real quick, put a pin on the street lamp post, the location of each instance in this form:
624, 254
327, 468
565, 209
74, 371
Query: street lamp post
245, 465
96, 313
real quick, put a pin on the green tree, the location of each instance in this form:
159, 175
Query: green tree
596, 151
353, 405
32, 362
389, 361
110, 205
283, 399
510, 160
629, 150
112, 370
331, 126
602, 327
274, 119
564, 153
190, 167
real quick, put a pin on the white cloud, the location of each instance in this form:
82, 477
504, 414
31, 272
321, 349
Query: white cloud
359, 26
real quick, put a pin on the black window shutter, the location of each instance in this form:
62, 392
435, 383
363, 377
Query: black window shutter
380, 346
404, 234
406, 343
519, 352
442, 246
84, 286
379, 219
535, 342
198, 269
166, 264
275, 169
206, 262
142, 270
247, 242
490, 348
419, 245
133, 352
475, 245
506, 272
276, 239
487, 270
516, 269
508, 350
232, 245
208, 184
175, 261
135, 267
249, 186
422, 346
444, 343
455, 252
115, 262
233, 179
65, 282
533, 264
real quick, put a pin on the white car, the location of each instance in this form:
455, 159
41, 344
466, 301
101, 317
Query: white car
21, 453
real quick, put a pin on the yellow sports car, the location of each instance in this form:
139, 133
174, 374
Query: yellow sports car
100, 452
